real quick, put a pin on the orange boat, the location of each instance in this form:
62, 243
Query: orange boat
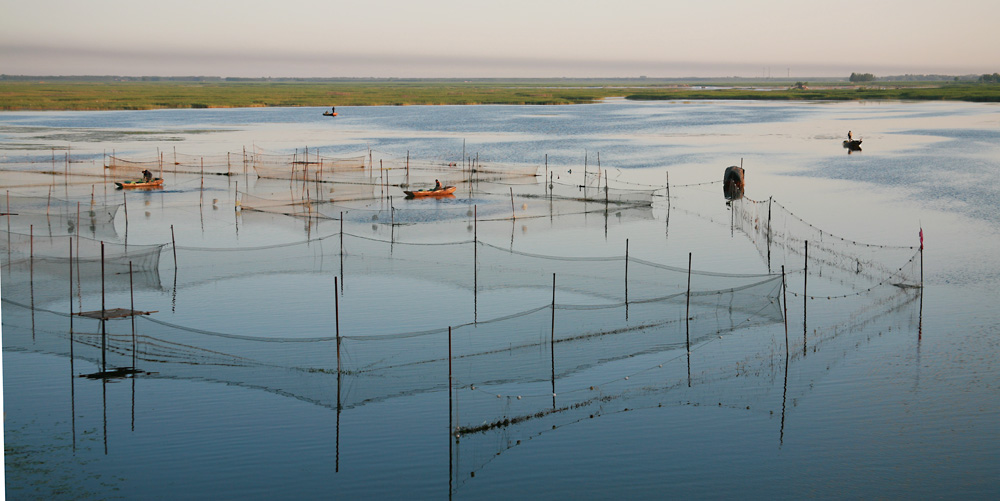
447, 190
155, 183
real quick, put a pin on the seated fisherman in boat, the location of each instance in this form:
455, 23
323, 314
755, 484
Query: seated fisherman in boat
437, 185
147, 176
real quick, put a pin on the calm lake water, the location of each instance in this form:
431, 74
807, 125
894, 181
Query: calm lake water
851, 382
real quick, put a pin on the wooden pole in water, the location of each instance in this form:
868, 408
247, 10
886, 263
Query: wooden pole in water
104, 333
8, 227
546, 172
687, 311
173, 244
451, 428
784, 296
769, 200
341, 248
125, 203
626, 272
71, 298
475, 263
512, 214
805, 297
336, 310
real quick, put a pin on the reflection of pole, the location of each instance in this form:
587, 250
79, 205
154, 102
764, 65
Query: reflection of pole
336, 310
552, 341
131, 294
626, 276
104, 407
784, 398
687, 321
336, 467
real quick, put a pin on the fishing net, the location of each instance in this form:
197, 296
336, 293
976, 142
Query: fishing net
398, 298
54, 216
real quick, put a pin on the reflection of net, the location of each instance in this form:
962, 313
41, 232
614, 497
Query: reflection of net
365, 203
53, 216
743, 369
781, 238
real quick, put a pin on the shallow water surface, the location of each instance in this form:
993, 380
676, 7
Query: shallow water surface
482, 347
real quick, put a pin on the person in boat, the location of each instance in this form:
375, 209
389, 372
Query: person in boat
437, 185
147, 176
850, 137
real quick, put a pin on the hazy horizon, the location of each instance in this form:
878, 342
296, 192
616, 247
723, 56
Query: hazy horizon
517, 39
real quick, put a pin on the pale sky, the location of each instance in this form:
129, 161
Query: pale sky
510, 38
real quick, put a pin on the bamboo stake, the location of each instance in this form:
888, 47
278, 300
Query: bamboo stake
784, 295
687, 311
805, 297
336, 309
512, 214
173, 244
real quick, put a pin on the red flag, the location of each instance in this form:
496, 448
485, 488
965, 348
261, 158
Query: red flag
921, 239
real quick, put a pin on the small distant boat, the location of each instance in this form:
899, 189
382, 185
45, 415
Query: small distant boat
852, 143
447, 190
155, 183
331, 113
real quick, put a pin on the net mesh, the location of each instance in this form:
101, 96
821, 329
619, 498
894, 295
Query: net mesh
523, 342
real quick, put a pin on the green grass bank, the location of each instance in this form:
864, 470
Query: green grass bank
147, 95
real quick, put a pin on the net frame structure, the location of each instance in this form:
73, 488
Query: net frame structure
615, 334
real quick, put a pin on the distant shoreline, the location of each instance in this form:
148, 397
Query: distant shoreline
23, 95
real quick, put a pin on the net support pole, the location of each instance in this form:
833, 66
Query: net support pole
769, 200
784, 299
451, 413
805, 298
173, 245
687, 310
104, 332
341, 248
626, 275
475, 263
512, 214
